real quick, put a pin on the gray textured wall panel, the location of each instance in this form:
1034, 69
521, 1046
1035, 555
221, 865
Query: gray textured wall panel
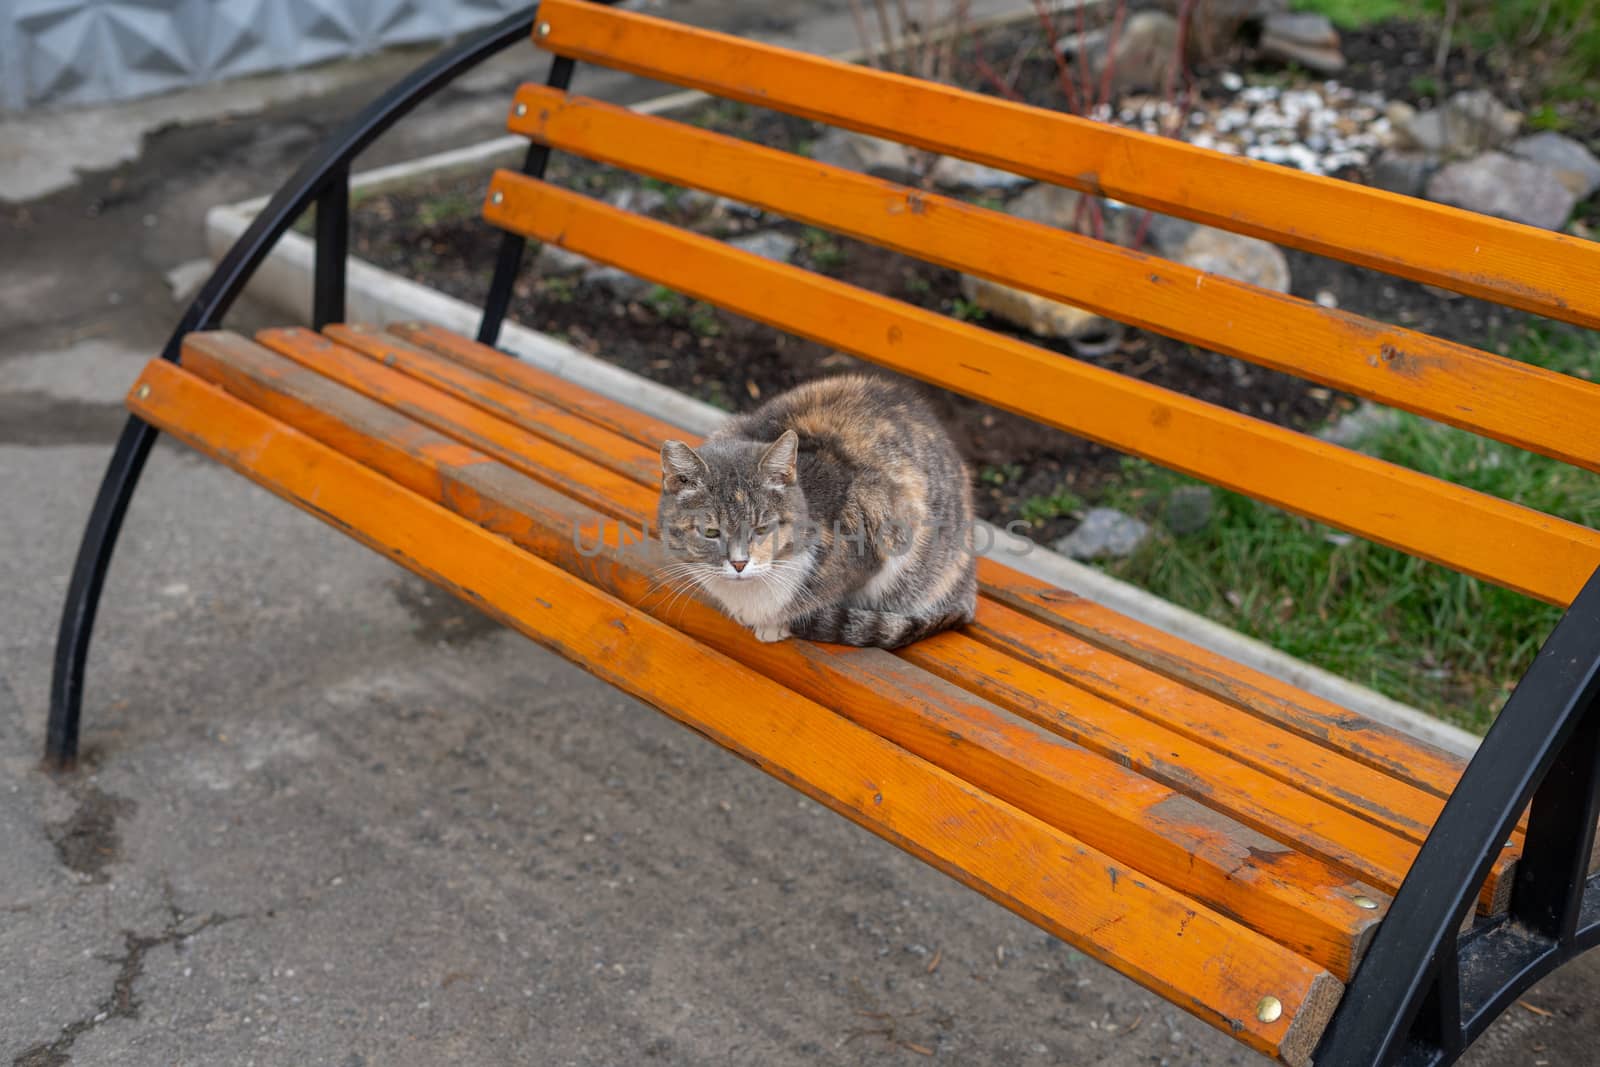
63, 52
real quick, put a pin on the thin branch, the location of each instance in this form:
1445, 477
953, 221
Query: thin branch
1111, 52
888, 34
868, 53
1053, 42
1452, 8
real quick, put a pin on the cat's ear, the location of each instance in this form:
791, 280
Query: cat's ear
681, 467
778, 461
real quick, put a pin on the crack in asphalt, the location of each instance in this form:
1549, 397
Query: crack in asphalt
123, 1003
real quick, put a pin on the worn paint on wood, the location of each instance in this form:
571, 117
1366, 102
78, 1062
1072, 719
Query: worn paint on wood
1166, 941
1292, 897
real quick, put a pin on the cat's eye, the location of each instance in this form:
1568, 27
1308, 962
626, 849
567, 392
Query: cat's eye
712, 532
764, 529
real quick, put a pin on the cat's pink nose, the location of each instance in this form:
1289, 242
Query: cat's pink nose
738, 564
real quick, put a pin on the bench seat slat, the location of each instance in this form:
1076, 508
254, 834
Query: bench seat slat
1368, 742
1545, 273
1272, 807
1376, 847
1295, 899
1166, 941
1396, 807
576, 475
1480, 535
1449, 382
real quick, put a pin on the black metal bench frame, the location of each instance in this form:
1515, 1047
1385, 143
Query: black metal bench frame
1424, 991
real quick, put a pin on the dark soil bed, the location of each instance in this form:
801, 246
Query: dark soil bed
434, 234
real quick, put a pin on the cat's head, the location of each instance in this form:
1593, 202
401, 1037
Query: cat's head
733, 507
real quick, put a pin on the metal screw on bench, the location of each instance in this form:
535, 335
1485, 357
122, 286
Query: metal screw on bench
497, 197
543, 29
1269, 1009
521, 110
1366, 903
144, 391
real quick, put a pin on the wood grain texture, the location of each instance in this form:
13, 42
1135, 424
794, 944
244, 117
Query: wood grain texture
1160, 938
617, 417
567, 429
1283, 706
581, 478
1292, 897
1520, 266
1442, 380
1177, 718
1480, 535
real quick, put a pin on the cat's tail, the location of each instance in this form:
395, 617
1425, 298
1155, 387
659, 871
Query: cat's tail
867, 627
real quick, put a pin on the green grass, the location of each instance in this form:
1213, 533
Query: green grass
1038, 510
1349, 14
1416, 631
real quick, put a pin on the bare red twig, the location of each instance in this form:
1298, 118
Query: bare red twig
1111, 52
1053, 42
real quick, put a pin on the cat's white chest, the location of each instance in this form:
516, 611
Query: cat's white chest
752, 603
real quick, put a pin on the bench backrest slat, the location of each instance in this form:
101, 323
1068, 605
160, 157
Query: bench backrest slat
1519, 266
1448, 382
1472, 532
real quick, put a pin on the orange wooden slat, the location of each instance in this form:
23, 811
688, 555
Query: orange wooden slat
571, 431
1546, 273
1378, 854
1400, 755
1160, 938
1505, 543
1368, 743
1397, 807
574, 475
1273, 807
1295, 899
616, 417
1442, 380
1323, 772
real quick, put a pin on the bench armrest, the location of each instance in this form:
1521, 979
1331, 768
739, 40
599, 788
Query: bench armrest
1544, 747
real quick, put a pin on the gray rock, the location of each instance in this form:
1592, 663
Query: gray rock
1470, 122
1497, 184
1404, 172
1306, 39
1355, 427
1215, 25
1232, 255
1053, 205
950, 173
857, 151
768, 244
1105, 533
1142, 57
1574, 165
1303, 28
703, 205
553, 259
640, 199
618, 282
1189, 508
1039, 315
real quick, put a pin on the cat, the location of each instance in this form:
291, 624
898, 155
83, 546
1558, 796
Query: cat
837, 511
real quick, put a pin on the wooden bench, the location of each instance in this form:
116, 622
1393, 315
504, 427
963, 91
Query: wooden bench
1316, 884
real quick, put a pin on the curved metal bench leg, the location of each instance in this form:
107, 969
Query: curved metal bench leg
83, 594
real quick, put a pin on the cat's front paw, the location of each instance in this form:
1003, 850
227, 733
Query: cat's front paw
769, 634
